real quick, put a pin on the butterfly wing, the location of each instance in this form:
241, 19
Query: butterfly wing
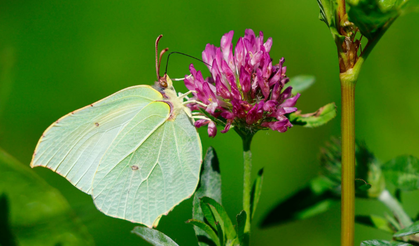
152, 176
125, 151
74, 145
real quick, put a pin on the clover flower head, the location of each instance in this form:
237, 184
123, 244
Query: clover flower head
245, 90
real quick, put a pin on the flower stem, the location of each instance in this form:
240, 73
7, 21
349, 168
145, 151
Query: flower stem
388, 200
348, 158
247, 181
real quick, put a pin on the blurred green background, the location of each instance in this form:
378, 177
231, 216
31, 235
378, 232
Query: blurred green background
57, 56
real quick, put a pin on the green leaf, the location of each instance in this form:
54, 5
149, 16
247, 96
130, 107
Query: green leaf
6, 235
300, 83
208, 215
255, 193
383, 243
392, 221
220, 234
313, 199
403, 172
374, 221
38, 214
210, 186
361, 185
153, 236
328, 15
241, 223
318, 118
374, 17
234, 242
221, 216
410, 230
208, 230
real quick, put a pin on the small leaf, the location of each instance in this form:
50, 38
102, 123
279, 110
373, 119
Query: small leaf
234, 242
221, 216
328, 15
153, 236
362, 185
209, 217
410, 230
318, 118
374, 221
403, 172
313, 199
241, 223
220, 234
255, 194
300, 83
392, 221
383, 243
207, 229
210, 186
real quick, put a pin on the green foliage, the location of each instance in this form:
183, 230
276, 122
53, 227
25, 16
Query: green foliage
375, 222
241, 223
207, 229
318, 118
410, 230
38, 214
403, 172
300, 83
210, 186
328, 16
221, 217
374, 17
324, 191
153, 236
255, 194
383, 243
313, 199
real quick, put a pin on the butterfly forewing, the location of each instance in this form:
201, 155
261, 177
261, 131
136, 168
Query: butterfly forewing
74, 145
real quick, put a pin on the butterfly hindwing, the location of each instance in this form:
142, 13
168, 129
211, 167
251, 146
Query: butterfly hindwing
154, 177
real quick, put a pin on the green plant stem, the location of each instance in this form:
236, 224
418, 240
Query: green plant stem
247, 181
341, 11
387, 199
348, 158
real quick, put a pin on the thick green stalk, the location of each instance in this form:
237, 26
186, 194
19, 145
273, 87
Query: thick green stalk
348, 82
247, 180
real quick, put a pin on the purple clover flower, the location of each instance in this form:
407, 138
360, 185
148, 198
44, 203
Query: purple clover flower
245, 89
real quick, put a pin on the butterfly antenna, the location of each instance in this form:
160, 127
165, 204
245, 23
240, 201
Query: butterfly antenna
162, 80
175, 52
157, 59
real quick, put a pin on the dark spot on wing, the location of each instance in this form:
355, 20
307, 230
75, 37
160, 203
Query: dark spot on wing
134, 167
96, 124
91, 105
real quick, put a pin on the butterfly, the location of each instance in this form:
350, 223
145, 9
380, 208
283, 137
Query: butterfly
136, 152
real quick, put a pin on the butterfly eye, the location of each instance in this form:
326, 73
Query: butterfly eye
163, 82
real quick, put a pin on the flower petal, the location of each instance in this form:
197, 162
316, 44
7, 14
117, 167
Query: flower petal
212, 129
